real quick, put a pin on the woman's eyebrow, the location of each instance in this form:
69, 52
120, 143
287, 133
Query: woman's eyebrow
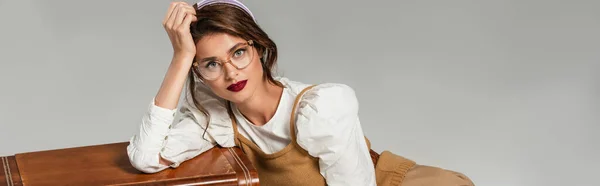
213, 58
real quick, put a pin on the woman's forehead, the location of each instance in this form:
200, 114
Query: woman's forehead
216, 45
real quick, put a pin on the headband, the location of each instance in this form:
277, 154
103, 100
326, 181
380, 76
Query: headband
235, 3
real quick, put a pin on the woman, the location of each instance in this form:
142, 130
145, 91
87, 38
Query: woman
294, 133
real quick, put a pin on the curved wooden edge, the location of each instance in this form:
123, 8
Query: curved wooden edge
10, 175
247, 174
191, 181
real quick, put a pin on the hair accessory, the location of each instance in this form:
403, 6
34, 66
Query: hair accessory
235, 3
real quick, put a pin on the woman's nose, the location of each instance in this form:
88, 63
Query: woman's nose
230, 71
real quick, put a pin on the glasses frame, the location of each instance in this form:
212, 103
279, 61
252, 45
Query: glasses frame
195, 64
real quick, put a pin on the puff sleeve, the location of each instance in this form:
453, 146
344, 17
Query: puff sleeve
329, 129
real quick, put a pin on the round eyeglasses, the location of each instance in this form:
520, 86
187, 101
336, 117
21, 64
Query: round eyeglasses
240, 56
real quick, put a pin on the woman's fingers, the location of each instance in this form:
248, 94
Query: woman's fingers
180, 15
179, 12
177, 24
164, 22
171, 21
186, 10
169, 12
189, 18
192, 9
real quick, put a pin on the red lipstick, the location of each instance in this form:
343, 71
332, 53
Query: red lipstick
237, 86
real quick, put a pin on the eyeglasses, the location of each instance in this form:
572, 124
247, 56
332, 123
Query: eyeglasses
240, 56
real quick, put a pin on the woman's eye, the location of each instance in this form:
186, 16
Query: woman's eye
239, 52
211, 64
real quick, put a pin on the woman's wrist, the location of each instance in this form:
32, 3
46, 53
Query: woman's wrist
187, 57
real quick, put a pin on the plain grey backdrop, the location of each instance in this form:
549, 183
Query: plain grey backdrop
507, 92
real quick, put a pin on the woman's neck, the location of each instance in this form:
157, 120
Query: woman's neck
262, 105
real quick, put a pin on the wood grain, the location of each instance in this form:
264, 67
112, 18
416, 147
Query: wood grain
247, 175
108, 164
10, 172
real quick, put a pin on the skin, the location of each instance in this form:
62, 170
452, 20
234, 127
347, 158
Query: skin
258, 100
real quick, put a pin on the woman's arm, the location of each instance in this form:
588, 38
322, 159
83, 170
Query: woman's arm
177, 25
329, 129
164, 140
150, 151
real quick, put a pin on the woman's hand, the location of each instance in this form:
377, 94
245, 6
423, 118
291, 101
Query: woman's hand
177, 24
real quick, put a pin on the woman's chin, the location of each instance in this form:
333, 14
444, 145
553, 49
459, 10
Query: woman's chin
238, 97
242, 95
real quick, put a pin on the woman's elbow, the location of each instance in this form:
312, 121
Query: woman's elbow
142, 162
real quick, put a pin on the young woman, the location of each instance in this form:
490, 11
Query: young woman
294, 133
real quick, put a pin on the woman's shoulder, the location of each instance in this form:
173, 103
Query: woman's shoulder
325, 98
321, 88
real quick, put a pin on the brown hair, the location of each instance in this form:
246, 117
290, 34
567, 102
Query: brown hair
228, 19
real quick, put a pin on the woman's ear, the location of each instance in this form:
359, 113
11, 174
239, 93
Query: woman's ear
264, 55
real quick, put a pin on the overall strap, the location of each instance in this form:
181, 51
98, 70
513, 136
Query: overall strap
234, 125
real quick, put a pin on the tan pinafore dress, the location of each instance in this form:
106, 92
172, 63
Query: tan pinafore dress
293, 166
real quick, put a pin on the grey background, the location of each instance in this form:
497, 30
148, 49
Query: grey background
507, 92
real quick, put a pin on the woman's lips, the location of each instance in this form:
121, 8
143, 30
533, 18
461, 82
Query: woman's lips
237, 86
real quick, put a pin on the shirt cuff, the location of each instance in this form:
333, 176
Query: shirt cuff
161, 112
155, 127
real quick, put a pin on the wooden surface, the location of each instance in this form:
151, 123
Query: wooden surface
109, 164
10, 172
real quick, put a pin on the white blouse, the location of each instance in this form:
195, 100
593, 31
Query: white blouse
327, 127
275, 134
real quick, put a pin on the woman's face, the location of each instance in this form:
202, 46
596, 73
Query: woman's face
235, 85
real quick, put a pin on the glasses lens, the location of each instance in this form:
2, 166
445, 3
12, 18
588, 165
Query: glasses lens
242, 56
210, 69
